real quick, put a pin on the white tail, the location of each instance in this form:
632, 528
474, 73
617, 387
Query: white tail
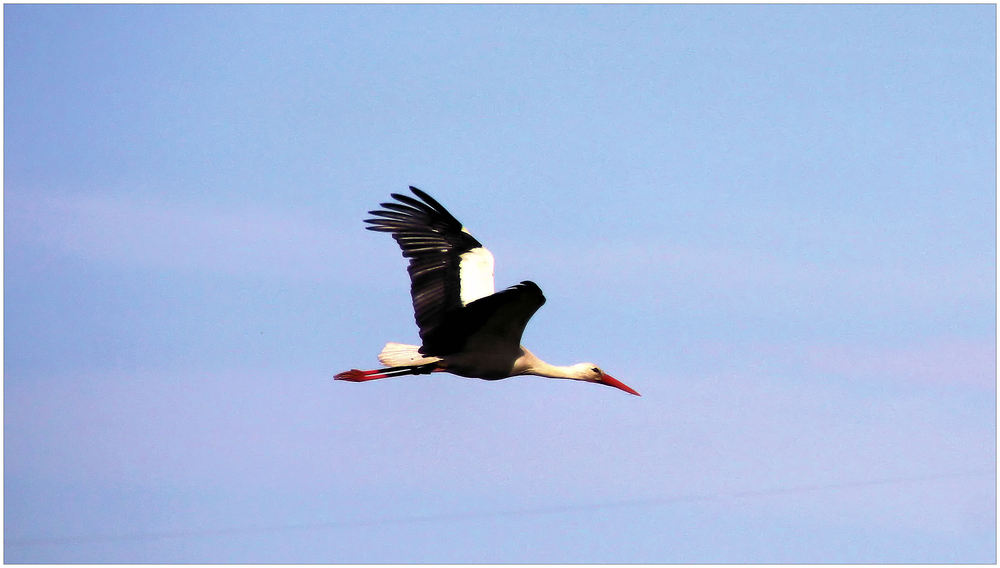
402, 355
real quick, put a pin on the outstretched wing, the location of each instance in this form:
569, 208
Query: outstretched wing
448, 267
491, 324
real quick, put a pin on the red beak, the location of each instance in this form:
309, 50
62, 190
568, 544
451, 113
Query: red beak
613, 382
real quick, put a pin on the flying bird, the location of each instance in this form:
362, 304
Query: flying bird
466, 328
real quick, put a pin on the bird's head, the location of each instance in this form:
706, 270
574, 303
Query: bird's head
592, 373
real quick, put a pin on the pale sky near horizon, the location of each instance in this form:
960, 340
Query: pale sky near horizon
776, 222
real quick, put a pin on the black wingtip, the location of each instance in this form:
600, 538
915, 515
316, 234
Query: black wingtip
530, 286
433, 203
425, 198
420, 213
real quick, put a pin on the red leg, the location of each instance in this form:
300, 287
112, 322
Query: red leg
357, 376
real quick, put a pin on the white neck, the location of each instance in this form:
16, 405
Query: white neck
529, 364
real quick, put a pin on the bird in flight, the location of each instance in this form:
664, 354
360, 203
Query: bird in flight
466, 328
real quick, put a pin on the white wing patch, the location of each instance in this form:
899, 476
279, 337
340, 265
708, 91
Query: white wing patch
475, 272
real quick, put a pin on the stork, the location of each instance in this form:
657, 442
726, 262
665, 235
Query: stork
466, 329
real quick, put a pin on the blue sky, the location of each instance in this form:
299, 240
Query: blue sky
775, 222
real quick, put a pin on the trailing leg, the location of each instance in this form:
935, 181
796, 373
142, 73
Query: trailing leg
357, 376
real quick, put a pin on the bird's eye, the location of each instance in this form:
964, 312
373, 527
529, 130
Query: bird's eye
596, 370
